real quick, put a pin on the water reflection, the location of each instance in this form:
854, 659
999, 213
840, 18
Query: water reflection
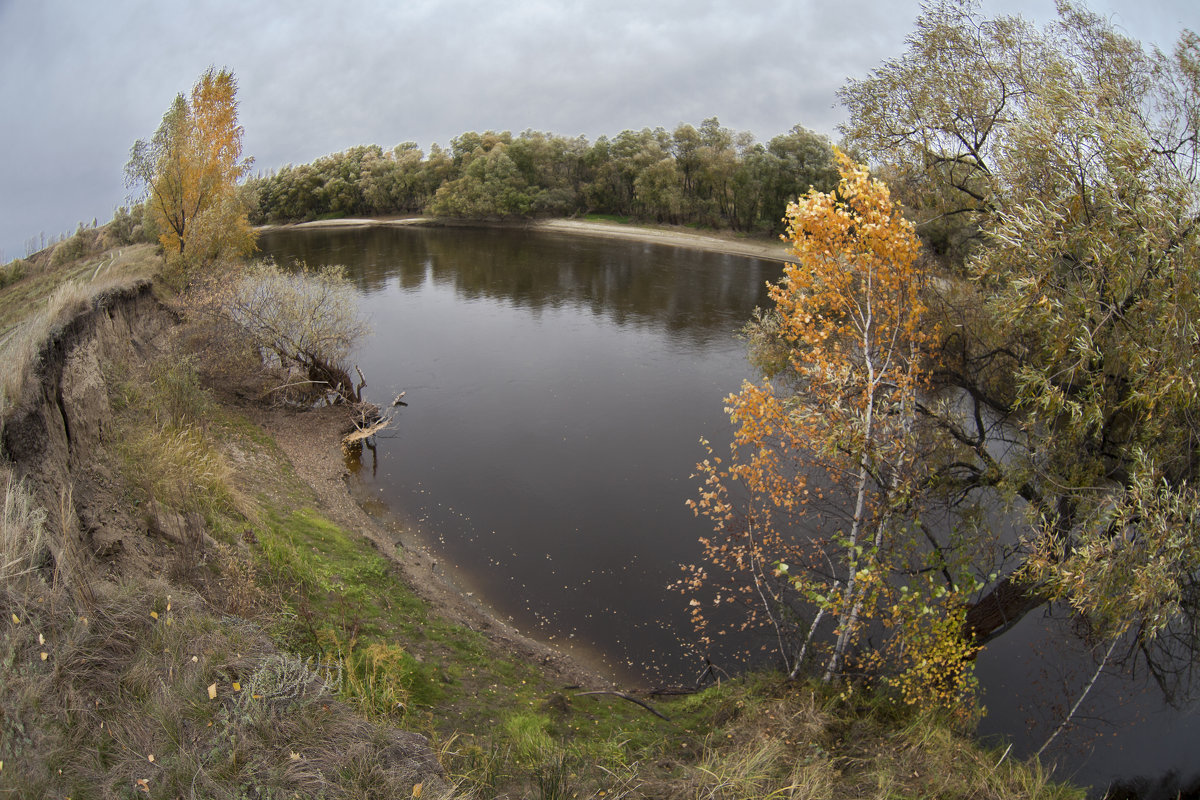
702, 295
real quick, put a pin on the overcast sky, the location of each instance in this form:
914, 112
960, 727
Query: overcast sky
80, 80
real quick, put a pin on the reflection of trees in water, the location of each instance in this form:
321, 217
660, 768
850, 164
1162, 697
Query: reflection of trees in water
678, 289
1171, 786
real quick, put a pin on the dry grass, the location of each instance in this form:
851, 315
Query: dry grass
144, 691
43, 297
22, 530
180, 467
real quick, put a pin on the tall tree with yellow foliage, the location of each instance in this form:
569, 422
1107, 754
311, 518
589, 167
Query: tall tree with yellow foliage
810, 507
190, 170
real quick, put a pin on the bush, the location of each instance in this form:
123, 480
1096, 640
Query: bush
301, 320
127, 228
82, 244
13, 271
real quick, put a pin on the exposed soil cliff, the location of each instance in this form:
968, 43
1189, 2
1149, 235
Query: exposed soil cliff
56, 434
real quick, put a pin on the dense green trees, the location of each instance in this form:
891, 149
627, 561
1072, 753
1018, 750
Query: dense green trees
707, 175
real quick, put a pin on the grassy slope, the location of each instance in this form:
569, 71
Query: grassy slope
306, 631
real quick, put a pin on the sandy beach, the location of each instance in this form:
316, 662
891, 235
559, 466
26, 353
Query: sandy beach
712, 241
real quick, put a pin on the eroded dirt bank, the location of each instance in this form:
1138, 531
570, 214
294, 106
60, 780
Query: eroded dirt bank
55, 436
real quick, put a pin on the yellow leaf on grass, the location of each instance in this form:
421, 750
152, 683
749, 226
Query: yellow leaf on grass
237, 687
154, 615
212, 691
16, 620
417, 787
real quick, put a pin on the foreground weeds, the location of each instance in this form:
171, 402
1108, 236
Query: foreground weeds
143, 691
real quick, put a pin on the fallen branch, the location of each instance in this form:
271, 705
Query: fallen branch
358, 434
628, 697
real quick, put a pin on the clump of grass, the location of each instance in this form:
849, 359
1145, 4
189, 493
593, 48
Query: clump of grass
20, 346
180, 467
22, 530
528, 734
380, 679
763, 769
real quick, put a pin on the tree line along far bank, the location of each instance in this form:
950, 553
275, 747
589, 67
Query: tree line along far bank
707, 175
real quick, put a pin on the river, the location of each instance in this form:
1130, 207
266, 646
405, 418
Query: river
557, 387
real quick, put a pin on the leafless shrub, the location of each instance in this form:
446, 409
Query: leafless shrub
302, 319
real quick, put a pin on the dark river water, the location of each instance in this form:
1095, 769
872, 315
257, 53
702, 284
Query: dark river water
557, 388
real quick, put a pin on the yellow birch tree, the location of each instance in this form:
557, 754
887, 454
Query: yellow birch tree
830, 436
190, 171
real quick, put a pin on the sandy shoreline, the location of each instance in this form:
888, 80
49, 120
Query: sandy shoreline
311, 440
711, 241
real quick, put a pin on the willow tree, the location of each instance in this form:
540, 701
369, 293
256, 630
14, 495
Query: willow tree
1068, 157
811, 507
190, 171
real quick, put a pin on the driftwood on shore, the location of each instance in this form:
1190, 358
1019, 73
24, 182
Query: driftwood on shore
358, 434
368, 420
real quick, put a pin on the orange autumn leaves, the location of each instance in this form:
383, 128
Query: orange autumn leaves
191, 169
830, 439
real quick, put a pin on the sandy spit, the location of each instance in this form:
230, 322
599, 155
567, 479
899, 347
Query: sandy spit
711, 241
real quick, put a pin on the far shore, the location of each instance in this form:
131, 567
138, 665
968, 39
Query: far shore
711, 241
